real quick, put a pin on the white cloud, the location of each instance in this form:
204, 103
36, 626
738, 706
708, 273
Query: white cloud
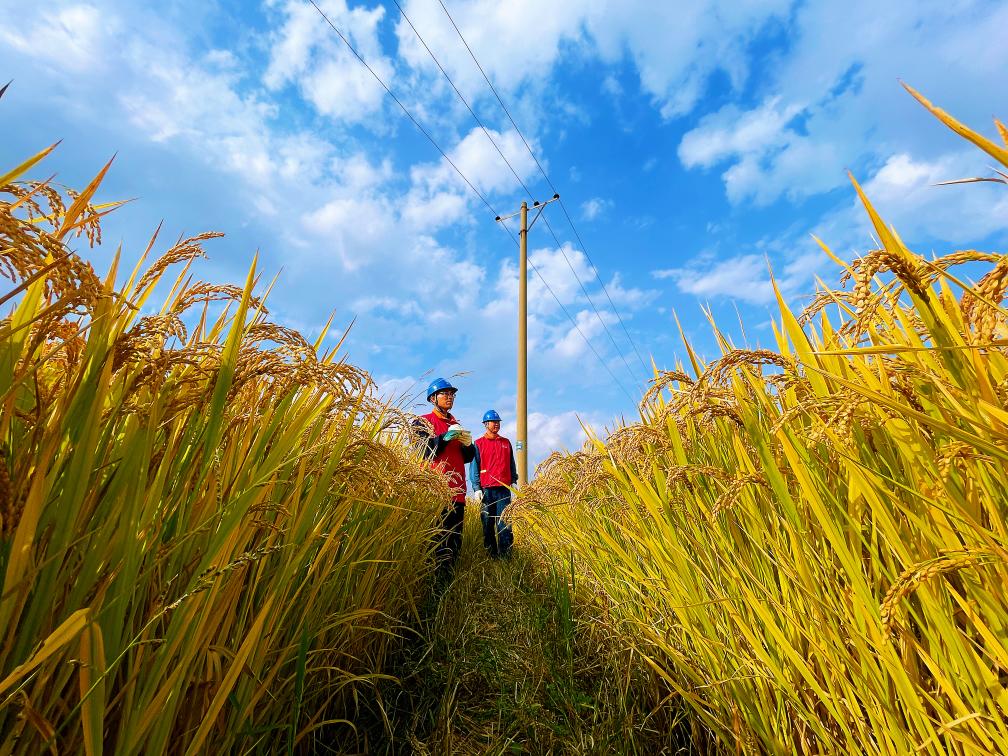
352, 226
405, 308
307, 52
557, 352
743, 277
729, 133
592, 208
612, 87
629, 297
832, 100
429, 212
746, 277
557, 267
550, 330
768, 156
397, 390
439, 197
71, 38
494, 31
676, 47
903, 191
358, 174
120, 73
547, 432
588, 325
339, 208
560, 431
344, 89
223, 60
478, 159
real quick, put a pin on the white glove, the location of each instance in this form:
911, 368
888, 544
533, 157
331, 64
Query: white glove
478, 495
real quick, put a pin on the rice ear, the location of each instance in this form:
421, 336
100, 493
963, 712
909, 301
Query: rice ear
825, 505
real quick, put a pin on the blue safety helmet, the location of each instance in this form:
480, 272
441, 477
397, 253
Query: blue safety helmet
438, 384
491, 415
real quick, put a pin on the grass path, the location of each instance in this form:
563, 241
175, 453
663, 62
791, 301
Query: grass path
498, 666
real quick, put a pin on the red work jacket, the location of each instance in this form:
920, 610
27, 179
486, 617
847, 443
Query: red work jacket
449, 461
495, 461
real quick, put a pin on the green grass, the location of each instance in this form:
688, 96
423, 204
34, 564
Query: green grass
499, 663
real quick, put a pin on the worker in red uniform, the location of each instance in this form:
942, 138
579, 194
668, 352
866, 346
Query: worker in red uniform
492, 473
448, 447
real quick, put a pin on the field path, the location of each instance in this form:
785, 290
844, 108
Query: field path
497, 667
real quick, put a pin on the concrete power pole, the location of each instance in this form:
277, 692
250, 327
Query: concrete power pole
521, 415
521, 411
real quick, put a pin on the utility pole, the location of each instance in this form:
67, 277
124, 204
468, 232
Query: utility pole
521, 413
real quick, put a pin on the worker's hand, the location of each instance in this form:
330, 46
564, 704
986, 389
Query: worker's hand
464, 436
478, 495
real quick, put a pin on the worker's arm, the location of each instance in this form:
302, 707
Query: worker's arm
469, 452
514, 467
474, 471
430, 444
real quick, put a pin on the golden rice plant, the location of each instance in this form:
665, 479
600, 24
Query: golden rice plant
209, 531
809, 546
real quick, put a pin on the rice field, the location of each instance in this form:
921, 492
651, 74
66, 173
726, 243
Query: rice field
213, 539
211, 531
806, 544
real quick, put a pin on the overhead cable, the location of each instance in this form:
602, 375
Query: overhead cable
550, 183
521, 182
470, 185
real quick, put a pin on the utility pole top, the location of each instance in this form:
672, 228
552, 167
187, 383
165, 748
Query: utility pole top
535, 204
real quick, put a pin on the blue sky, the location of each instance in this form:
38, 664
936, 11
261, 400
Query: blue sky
692, 144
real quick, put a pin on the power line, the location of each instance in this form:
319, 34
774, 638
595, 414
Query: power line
585, 291
574, 323
403, 107
460, 95
469, 184
545, 176
569, 316
521, 182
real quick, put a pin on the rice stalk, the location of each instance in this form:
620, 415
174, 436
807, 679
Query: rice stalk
806, 546
204, 518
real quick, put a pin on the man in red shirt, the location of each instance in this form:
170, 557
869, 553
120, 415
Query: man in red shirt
449, 449
492, 473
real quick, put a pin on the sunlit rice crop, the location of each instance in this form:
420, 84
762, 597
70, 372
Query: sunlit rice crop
209, 530
807, 545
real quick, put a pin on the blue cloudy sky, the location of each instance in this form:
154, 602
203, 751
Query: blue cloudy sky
693, 143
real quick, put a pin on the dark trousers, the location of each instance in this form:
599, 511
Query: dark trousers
449, 537
496, 532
